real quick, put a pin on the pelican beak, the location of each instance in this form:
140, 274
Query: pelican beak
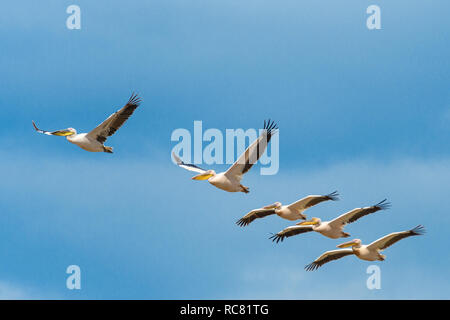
307, 223
203, 176
270, 206
62, 133
347, 244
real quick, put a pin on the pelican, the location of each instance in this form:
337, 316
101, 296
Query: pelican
293, 211
94, 140
332, 229
230, 180
370, 252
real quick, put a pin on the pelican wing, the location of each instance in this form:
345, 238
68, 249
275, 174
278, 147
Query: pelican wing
254, 214
392, 238
289, 232
310, 201
327, 257
190, 167
357, 213
253, 152
62, 133
115, 121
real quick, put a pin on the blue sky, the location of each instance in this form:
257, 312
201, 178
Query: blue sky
364, 112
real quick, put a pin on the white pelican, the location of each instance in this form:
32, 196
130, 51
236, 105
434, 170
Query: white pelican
332, 229
293, 211
370, 252
94, 140
230, 180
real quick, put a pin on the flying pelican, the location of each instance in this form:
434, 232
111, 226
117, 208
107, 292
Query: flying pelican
369, 252
230, 180
94, 140
293, 211
332, 229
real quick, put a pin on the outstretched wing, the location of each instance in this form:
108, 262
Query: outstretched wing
358, 213
327, 257
289, 232
310, 201
392, 238
253, 152
254, 214
61, 133
115, 121
190, 167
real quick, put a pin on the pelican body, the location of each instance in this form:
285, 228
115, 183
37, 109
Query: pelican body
327, 229
86, 143
370, 252
227, 182
94, 140
365, 252
289, 213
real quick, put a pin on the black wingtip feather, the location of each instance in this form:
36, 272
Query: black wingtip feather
270, 126
242, 223
276, 238
383, 205
312, 266
134, 99
34, 125
419, 230
334, 196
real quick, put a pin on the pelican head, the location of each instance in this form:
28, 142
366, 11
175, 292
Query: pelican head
354, 243
275, 205
314, 221
205, 176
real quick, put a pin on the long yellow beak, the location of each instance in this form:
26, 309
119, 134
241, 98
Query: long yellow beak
62, 133
203, 176
307, 223
347, 244
270, 206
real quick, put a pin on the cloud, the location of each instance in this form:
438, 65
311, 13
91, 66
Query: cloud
138, 221
13, 291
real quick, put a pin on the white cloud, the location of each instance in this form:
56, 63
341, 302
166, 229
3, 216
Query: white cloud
10, 291
208, 243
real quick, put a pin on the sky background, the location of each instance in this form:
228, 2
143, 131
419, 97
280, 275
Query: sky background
363, 112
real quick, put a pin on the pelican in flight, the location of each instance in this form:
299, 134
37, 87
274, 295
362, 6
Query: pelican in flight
293, 211
94, 140
370, 252
230, 180
332, 229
